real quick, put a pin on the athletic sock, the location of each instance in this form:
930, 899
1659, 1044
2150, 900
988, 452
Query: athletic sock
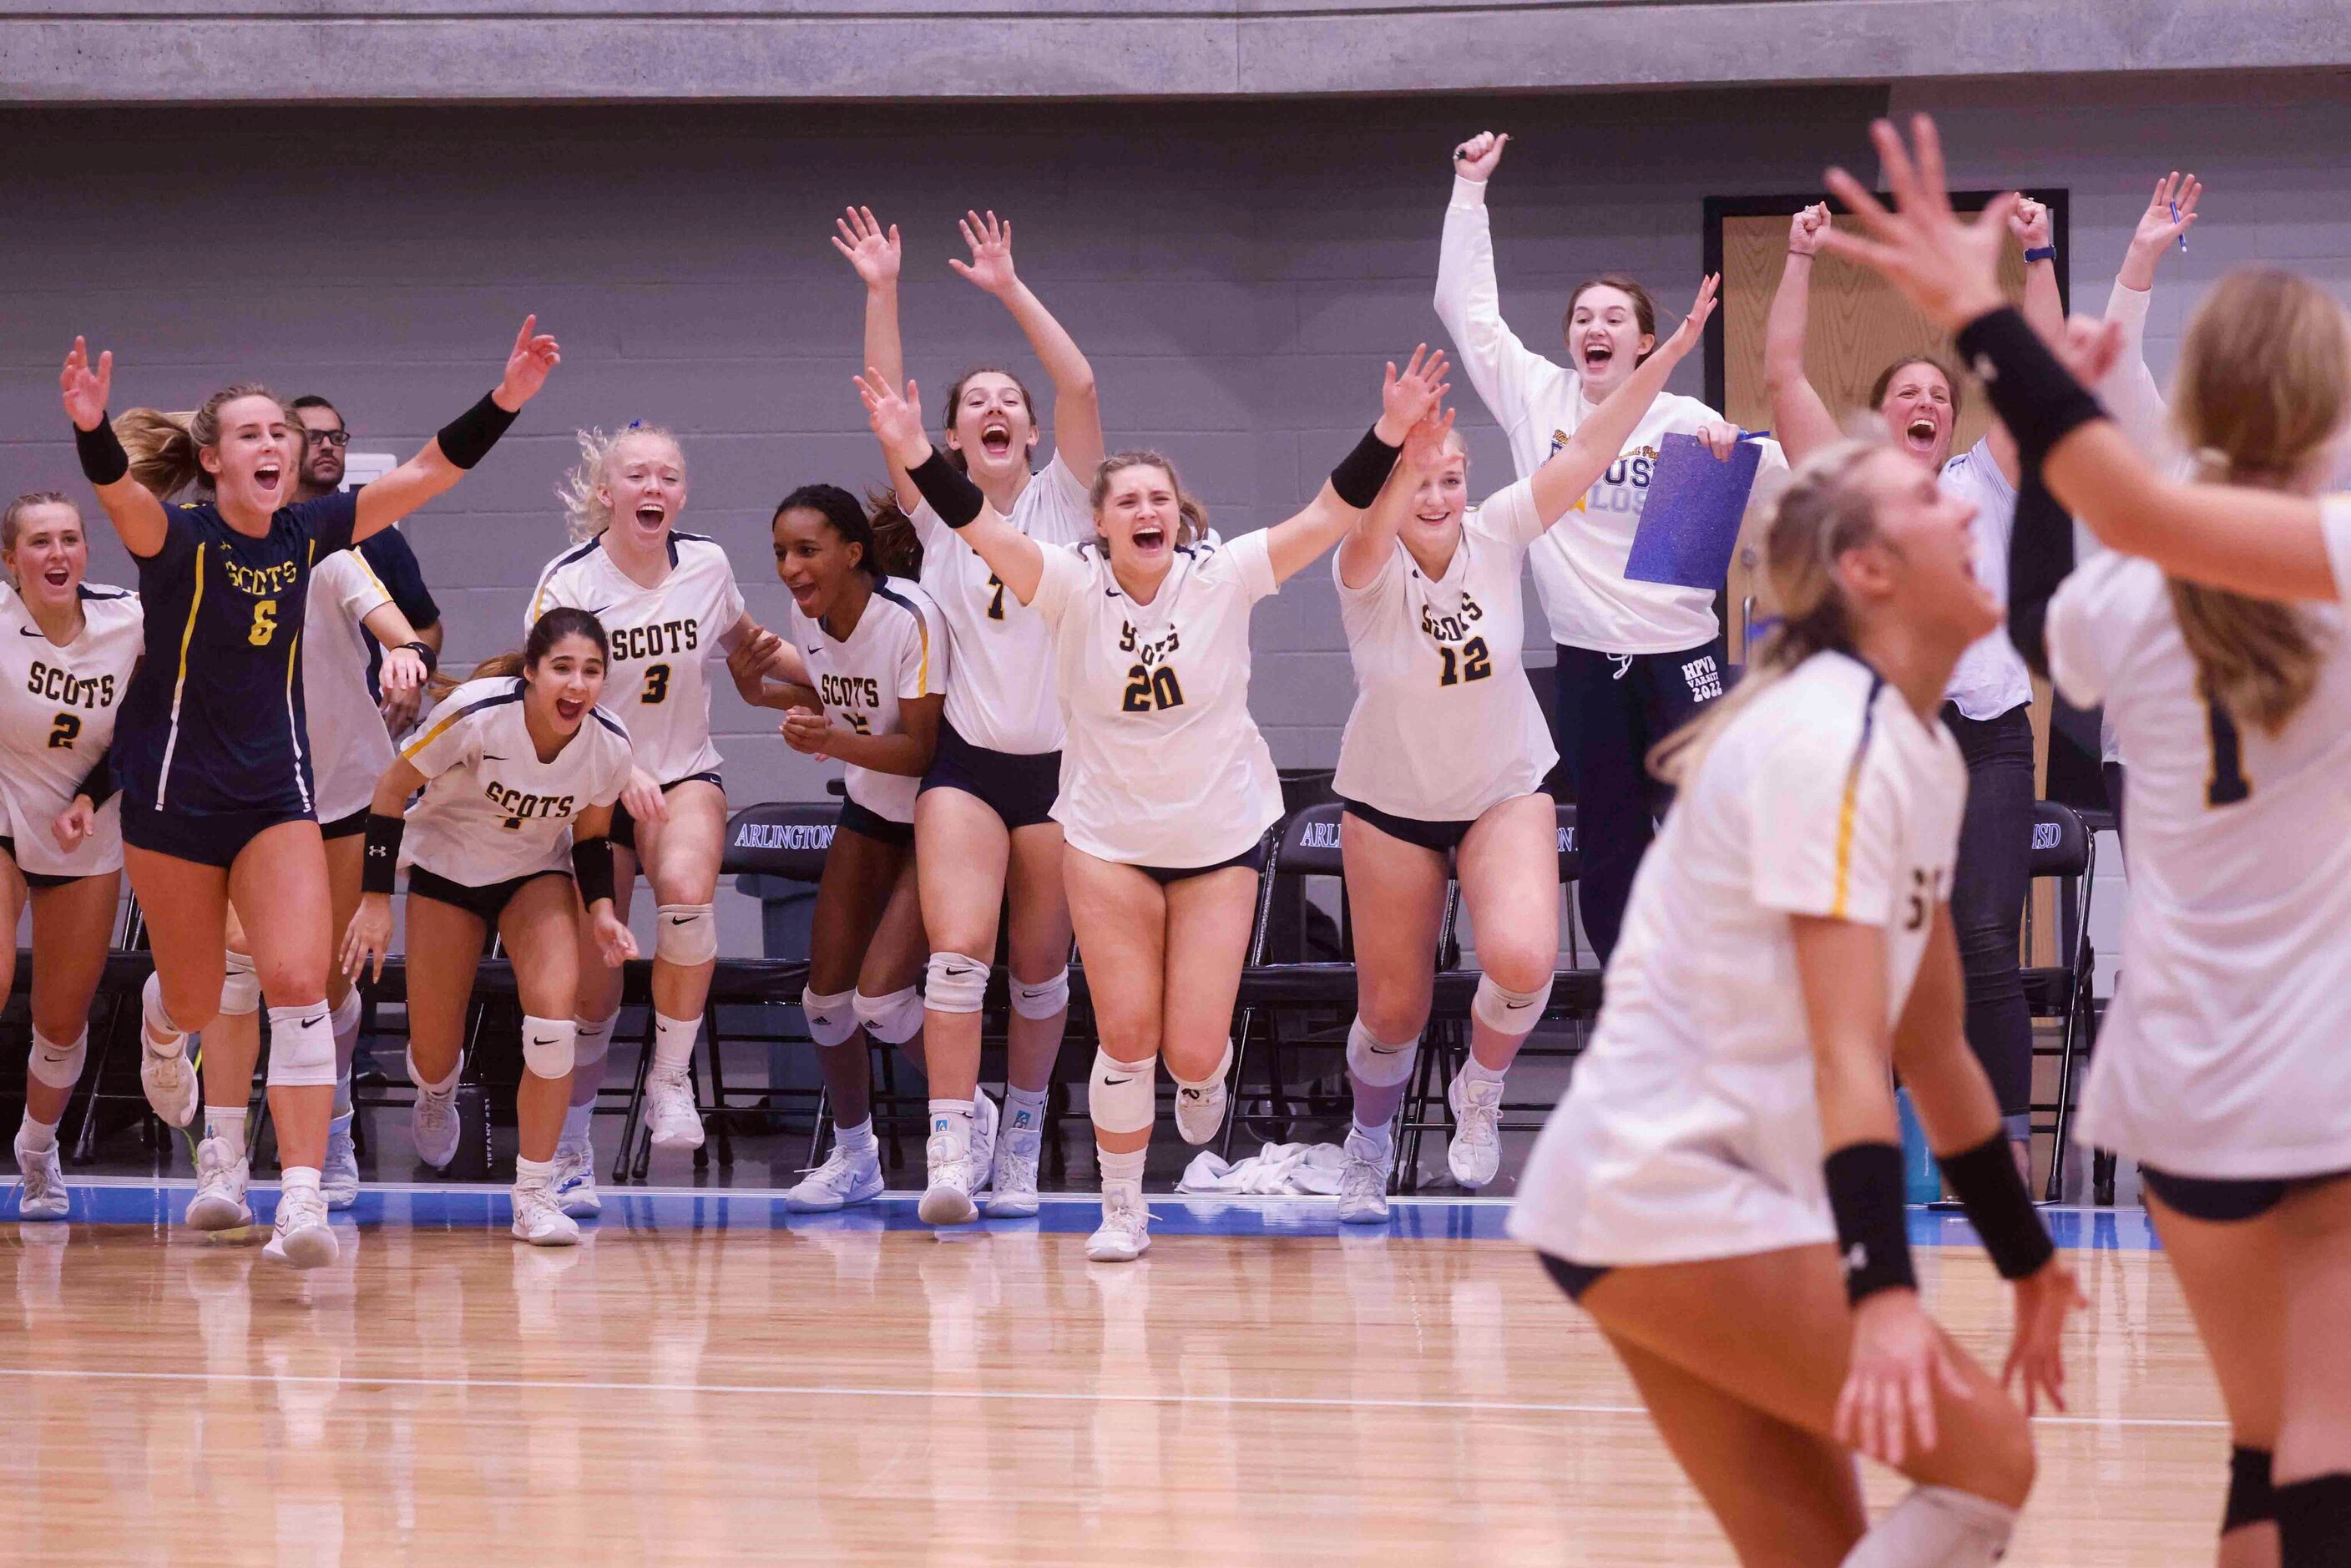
856, 1140
1477, 1071
575, 1123
953, 1117
1023, 1108
1379, 1140
37, 1137
297, 1178
1120, 1170
533, 1172
2314, 1519
226, 1122
674, 1043
342, 1095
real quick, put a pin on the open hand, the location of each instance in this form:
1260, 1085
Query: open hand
368, 936
534, 357
897, 421
2043, 1300
991, 252
1887, 1410
2157, 227
1948, 268
1425, 442
874, 253
1412, 394
85, 387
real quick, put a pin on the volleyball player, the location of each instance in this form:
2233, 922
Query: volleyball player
68, 649
520, 769
2220, 659
352, 748
668, 602
866, 689
1444, 754
1166, 785
1730, 1137
1637, 660
984, 817
1917, 400
209, 745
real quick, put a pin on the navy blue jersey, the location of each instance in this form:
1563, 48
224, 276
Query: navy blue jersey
214, 721
396, 568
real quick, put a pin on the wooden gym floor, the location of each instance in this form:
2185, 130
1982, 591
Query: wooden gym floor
703, 1381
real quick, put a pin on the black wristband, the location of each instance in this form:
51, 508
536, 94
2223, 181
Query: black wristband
948, 489
1361, 472
1865, 1182
592, 868
379, 872
423, 650
1986, 1181
103, 461
467, 439
98, 782
2037, 398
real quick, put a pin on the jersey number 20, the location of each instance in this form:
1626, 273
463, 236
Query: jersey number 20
1147, 689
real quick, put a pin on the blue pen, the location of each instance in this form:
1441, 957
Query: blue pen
1754, 435
2175, 218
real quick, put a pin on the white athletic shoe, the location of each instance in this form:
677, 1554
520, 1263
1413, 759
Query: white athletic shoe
844, 1178
985, 1118
574, 1182
434, 1125
1363, 1182
539, 1219
339, 1178
1200, 1111
42, 1194
301, 1237
1126, 1232
170, 1081
669, 1110
1012, 1186
1475, 1152
947, 1199
221, 1175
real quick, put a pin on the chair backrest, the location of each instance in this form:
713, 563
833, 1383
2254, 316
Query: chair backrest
1571, 857
788, 839
2061, 841
1308, 845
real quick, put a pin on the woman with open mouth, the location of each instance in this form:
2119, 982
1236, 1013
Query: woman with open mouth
1635, 660
862, 685
984, 817
211, 747
1987, 708
1166, 786
68, 649
668, 601
521, 770
1442, 769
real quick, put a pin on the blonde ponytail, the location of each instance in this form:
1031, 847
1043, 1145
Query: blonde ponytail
165, 448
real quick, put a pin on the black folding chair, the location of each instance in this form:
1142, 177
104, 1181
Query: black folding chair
2065, 848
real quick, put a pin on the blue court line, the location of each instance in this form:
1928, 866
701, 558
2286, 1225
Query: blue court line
459, 1206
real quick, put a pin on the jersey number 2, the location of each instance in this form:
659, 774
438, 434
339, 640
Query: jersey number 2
2226, 783
63, 732
1473, 663
656, 684
265, 623
1147, 689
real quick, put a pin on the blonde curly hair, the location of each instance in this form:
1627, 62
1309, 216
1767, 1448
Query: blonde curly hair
584, 509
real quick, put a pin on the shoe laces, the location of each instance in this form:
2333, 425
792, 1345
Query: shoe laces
37, 1173
299, 1206
534, 1202
213, 1163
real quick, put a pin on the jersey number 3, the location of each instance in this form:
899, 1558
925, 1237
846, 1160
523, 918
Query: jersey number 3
2226, 784
265, 623
1147, 689
656, 684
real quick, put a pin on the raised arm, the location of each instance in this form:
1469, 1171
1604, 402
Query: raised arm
876, 253
1077, 408
1406, 400
2130, 389
464, 441
1574, 468
134, 511
1800, 416
1018, 561
2043, 306
1469, 301
1368, 543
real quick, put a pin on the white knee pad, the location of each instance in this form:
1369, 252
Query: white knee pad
241, 986
1121, 1096
548, 1045
345, 1016
1935, 1527
955, 983
687, 934
455, 1072
1043, 1000
59, 1066
1507, 1011
831, 1016
892, 1019
301, 1047
1376, 1062
592, 1037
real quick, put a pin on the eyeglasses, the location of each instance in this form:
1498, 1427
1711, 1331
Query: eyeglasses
329, 437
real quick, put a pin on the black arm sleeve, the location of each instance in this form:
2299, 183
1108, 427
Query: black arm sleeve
2039, 555
98, 782
948, 489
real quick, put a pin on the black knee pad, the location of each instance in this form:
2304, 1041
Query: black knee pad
2315, 1521
2250, 1501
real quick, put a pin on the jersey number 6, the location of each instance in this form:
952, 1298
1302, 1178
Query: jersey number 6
1147, 689
656, 684
265, 623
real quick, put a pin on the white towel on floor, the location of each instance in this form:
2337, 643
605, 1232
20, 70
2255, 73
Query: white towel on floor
1277, 1168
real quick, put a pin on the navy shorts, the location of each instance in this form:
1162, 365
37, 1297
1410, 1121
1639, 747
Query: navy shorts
349, 827
1573, 1278
487, 901
871, 824
1019, 787
215, 838
624, 826
35, 880
1252, 859
1442, 837
2223, 1200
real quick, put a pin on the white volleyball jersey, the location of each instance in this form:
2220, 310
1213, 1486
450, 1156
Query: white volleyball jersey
1990, 677
1001, 695
57, 707
1444, 725
493, 809
897, 650
349, 748
2224, 1052
665, 638
1691, 1129
1163, 765
1579, 564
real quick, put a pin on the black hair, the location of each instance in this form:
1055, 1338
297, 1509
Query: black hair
887, 536
564, 621
312, 399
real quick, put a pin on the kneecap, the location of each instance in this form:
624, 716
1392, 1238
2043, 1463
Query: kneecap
1375, 1061
301, 1047
1121, 1096
895, 1019
955, 983
241, 986
688, 933
1043, 1000
1506, 1011
831, 1016
548, 1045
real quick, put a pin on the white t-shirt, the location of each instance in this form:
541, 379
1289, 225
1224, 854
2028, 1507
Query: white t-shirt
494, 811
1444, 725
898, 650
663, 641
1001, 697
1990, 677
57, 707
1579, 565
1691, 1129
1163, 765
349, 748
2224, 1052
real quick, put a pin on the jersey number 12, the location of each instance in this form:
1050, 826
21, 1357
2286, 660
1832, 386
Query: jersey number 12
1472, 663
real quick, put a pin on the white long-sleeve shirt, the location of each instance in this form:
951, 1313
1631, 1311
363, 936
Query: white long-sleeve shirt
1579, 564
